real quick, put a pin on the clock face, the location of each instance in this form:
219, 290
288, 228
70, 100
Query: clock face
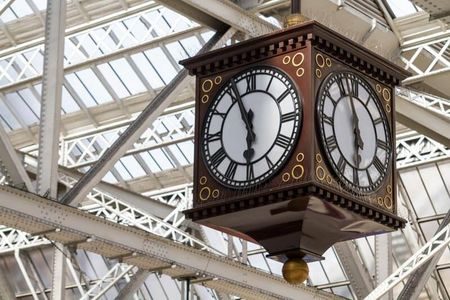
251, 127
354, 131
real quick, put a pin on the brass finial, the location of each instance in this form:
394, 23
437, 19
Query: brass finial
295, 17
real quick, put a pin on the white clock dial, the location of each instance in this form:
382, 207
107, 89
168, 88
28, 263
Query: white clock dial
354, 131
251, 127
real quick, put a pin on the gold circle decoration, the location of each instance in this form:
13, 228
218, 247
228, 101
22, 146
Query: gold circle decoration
295, 270
297, 172
298, 62
215, 193
318, 158
386, 94
300, 157
380, 201
203, 180
286, 177
329, 179
389, 189
207, 85
378, 88
205, 193
205, 98
388, 202
300, 72
320, 173
328, 62
286, 59
388, 107
320, 60
218, 79
318, 73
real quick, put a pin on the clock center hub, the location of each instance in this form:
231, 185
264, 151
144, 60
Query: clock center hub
265, 122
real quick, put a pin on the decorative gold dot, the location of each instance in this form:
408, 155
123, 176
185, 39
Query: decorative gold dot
205, 99
297, 172
320, 60
389, 189
386, 94
300, 157
215, 193
218, 79
318, 73
328, 62
378, 88
286, 177
300, 72
203, 180
320, 173
388, 202
297, 59
388, 107
286, 59
380, 201
205, 193
207, 85
318, 158
329, 180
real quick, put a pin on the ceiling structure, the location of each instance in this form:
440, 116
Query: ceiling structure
126, 151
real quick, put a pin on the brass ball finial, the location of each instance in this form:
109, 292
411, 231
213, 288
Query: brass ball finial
295, 270
294, 19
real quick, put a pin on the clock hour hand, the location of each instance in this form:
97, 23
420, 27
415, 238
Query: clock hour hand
246, 116
248, 154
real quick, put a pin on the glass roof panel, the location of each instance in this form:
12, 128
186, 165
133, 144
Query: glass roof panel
129, 78
16, 102
147, 69
161, 64
402, 8
7, 117
116, 83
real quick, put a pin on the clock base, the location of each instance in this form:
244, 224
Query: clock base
300, 226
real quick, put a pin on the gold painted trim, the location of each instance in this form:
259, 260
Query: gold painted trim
388, 203
386, 95
329, 179
318, 73
301, 73
203, 180
322, 63
321, 170
286, 177
286, 59
215, 193
202, 195
205, 99
328, 62
293, 173
378, 88
218, 79
297, 64
207, 89
388, 107
389, 189
318, 158
300, 157
380, 201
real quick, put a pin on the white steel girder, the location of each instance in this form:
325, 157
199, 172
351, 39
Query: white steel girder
135, 130
18, 209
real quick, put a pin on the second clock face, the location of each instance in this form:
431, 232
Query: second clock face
251, 127
354, 131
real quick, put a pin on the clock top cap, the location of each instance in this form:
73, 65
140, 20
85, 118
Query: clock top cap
292, 38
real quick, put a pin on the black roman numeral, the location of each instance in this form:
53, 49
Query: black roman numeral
355, 86
355, 176
218, 157
340, 84
331, 143
288, 117
378, 164
222, 115
377, 121
269, 162
270, 82
328, 120
250, 172
383, 145
232, 95
341, 164
282, 141
231, 170
328, 94
282, 96
251, 82
369, 177
214, 137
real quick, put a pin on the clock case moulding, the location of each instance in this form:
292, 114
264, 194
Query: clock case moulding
303, 213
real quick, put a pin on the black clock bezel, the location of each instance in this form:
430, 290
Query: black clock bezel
287, 154
344, 182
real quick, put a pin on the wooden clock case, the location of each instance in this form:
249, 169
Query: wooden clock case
303, 209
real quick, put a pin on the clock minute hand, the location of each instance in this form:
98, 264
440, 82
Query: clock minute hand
358, 141
245, 116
